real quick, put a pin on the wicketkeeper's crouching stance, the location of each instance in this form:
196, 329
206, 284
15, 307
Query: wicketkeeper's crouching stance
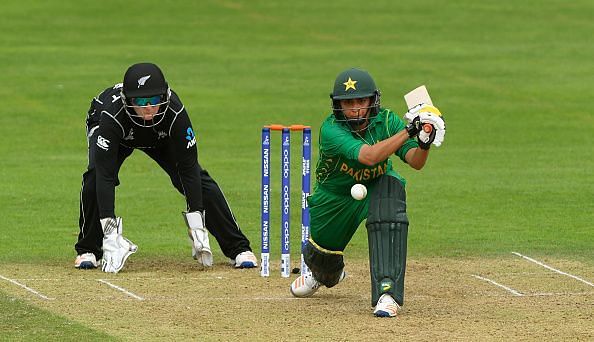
355, 144
144, 113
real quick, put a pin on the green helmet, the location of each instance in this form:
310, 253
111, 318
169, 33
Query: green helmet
354, 84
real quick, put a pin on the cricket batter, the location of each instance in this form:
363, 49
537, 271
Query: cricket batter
144, 113
355, 144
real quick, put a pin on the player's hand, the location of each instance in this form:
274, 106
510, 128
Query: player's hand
116, 248
198, 238
414, 127
436, 134
116, 251
412, 117
426, 136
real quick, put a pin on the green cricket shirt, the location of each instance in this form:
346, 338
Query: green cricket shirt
339, 169
335, 215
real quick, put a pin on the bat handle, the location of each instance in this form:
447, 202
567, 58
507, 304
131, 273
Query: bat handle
427, 128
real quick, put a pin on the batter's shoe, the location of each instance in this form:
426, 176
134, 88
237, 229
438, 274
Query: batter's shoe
245, 259
86, 261
306, 285
386, 306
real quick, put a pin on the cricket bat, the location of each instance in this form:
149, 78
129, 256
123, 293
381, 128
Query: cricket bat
417, 96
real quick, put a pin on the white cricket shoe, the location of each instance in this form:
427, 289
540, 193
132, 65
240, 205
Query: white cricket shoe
245, 259
86, 261
386, 306
306, 285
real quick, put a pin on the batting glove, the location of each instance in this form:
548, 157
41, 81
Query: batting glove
437, 134
425, 139
414, 121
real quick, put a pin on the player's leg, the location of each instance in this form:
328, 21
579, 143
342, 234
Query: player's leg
387, 228
326, 268
197, 231
334, 220
90, 236
222, 225
218, 218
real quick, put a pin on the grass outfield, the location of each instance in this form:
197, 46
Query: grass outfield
513, 79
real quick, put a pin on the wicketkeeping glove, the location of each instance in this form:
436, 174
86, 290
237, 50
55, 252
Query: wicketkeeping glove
116, 248
198, 237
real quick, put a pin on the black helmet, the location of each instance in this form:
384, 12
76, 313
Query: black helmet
354, 84
145, 80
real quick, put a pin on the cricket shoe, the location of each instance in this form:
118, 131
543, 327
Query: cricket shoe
86, 261
306, 285
386, 306
245, 259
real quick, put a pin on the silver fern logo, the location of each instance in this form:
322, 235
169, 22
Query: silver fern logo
142, 80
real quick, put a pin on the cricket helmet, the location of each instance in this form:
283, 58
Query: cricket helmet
355, 84
144, 85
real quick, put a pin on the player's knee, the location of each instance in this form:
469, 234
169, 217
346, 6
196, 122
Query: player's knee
325, 265
387, 203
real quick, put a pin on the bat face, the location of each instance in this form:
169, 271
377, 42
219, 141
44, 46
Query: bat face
417, 96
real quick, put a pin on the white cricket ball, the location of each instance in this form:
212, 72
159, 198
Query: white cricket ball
358, 191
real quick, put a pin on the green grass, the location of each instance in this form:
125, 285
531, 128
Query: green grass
512, 78
21, 321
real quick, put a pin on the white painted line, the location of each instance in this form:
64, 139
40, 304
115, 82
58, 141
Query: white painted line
120, 289
545, 294
208, 298
274, 298
553, 269
509, 289
26, 288
131, 278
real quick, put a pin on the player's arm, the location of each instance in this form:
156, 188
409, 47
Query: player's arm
183, 148
373, 154
106, 142
416, 157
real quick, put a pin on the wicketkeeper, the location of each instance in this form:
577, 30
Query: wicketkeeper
144, 113
355, 143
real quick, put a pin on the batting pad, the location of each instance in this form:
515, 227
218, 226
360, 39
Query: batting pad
325, 265
387, 231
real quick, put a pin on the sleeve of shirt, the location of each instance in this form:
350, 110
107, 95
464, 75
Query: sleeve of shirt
335, 140
394, 125
183, 148
105, 144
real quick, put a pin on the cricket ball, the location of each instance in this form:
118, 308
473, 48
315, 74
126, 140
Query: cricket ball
358, 191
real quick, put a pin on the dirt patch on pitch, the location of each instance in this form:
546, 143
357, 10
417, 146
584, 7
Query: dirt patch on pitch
444, 300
